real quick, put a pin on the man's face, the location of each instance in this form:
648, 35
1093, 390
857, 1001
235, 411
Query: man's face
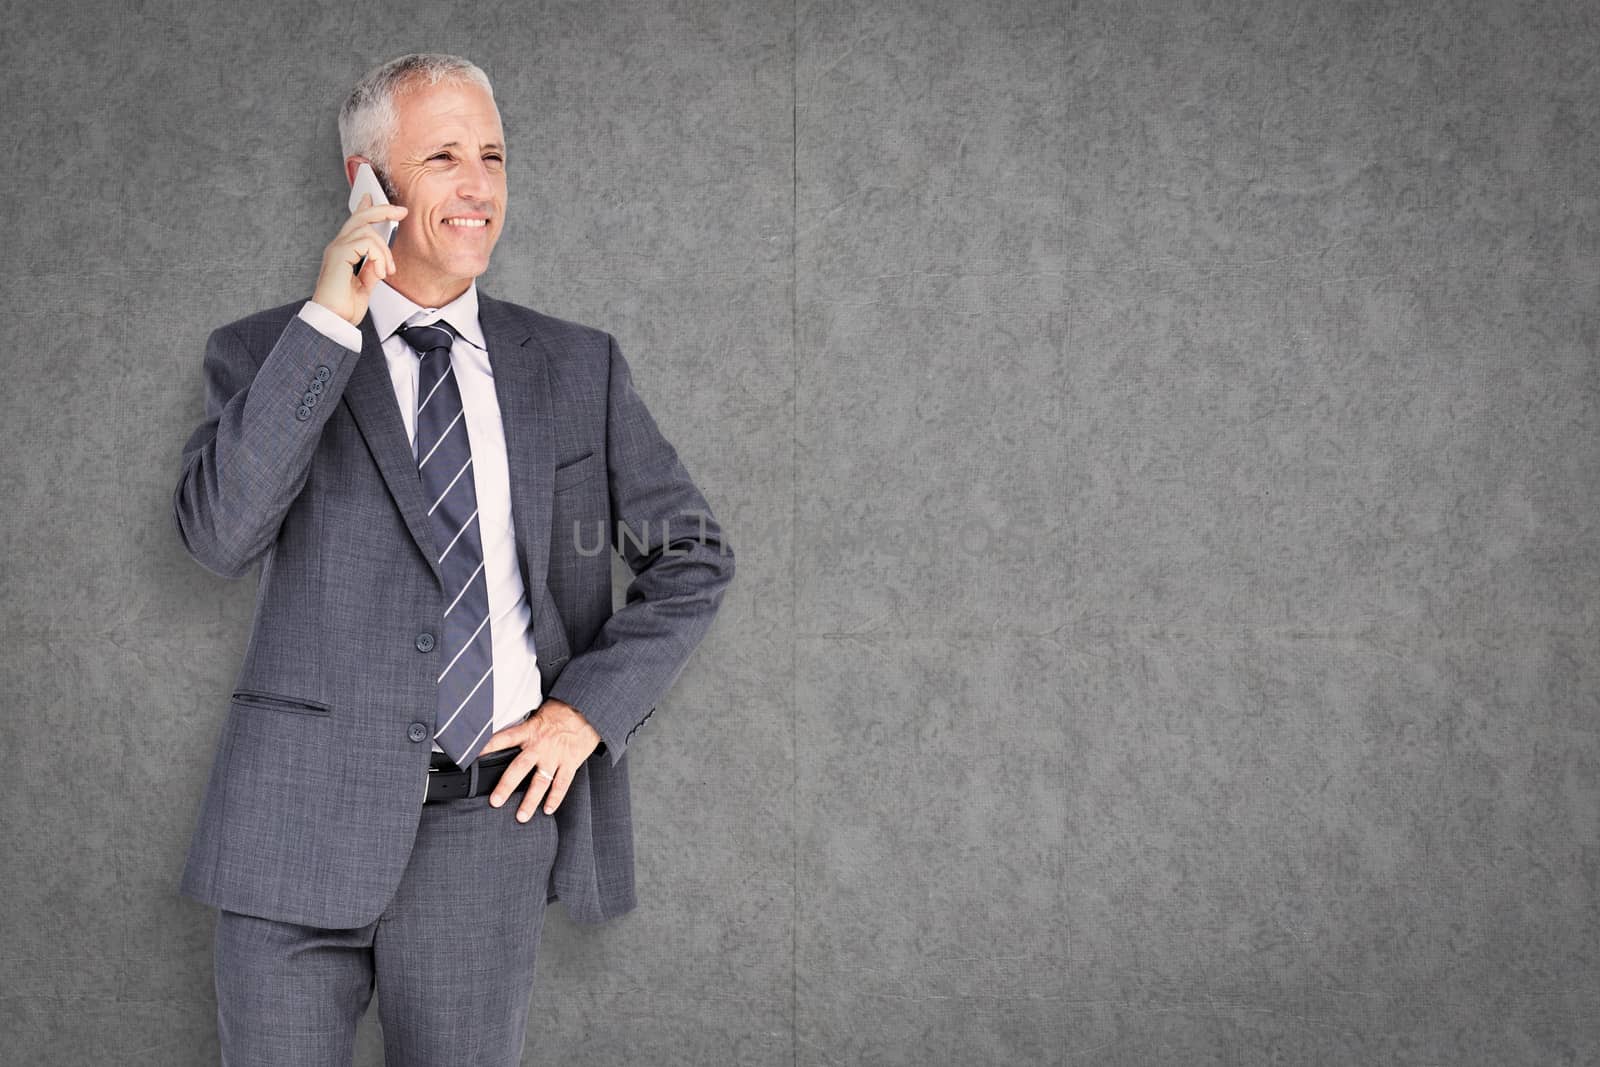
447, 162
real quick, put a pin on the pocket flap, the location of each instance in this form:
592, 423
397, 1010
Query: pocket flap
257, 698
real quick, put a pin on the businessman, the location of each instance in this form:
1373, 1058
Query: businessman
426, 741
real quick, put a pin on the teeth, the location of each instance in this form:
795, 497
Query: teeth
466, 222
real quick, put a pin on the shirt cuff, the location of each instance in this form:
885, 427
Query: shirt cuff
330, 325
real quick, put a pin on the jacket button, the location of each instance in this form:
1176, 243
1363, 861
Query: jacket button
309, 398
417, 731
302, 413
323, 373
424, 642
317, 386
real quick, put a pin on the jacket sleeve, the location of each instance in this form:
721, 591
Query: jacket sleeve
245, 464
682, 565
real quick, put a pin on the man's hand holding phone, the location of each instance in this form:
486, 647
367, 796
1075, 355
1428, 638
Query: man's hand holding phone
339, 289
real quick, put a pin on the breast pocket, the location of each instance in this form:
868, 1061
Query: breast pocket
577, 472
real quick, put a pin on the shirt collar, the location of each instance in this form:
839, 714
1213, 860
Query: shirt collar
390, 310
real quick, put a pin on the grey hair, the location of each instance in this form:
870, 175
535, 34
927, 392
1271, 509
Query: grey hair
369, 121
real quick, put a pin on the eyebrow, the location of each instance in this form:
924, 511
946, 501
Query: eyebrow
457, 144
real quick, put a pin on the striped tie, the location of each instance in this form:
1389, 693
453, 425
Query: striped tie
444, 459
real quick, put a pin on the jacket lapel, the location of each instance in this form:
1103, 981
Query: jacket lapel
522, 388
370, 396
520, 360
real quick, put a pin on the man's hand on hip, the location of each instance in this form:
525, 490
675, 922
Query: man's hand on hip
555, 740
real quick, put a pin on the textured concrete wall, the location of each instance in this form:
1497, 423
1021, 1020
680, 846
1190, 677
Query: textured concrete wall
1160, 445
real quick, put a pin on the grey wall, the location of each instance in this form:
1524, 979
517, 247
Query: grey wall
1160, 445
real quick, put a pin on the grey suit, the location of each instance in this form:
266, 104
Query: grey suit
314, 798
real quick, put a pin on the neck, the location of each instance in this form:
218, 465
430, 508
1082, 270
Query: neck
436, 295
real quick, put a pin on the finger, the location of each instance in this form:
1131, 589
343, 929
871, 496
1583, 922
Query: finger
369, 272
515, 771
372, 246
372, 238
382, 257
497, 740
514, 736
530, 803
368, 210
353, 249
378, 212
367, 216
558, 789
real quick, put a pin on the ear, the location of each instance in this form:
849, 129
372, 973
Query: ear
351, 165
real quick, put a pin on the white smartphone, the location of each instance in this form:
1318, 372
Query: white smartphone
367, 182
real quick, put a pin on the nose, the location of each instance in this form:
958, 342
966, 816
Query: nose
475, 183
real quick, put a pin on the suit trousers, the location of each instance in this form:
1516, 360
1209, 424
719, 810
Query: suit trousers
452, 956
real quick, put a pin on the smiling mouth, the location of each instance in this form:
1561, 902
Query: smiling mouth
467, 224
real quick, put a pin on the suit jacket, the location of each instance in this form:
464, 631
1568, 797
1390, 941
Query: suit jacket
303, 464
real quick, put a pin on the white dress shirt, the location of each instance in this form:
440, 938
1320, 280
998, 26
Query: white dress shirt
516, 675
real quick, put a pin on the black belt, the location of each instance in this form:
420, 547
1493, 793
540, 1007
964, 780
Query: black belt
446, 781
